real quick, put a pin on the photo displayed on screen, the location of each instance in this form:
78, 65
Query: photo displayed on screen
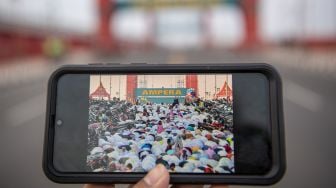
183, 121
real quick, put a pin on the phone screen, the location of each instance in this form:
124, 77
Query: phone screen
182, 121
190, 122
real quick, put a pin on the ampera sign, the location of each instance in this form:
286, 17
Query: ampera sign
166, 92
158, 95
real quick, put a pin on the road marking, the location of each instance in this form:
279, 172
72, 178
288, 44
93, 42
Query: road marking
318, 62
20, 73
26, 111
302, 96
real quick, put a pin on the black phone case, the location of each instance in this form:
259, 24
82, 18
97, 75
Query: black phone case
277, 123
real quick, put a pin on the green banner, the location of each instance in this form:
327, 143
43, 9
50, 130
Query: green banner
169, 92
160, 95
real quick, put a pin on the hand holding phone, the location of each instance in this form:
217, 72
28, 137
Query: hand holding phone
157, 177
206, 124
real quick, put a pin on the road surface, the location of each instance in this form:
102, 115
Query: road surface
309, 81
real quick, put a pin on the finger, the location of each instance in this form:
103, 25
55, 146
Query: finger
157, 177
98, 186
219, 186
187, 186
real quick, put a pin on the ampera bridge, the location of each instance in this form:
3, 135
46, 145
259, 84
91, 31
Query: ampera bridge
160, 88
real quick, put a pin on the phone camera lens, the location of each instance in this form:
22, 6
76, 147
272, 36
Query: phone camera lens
59, 122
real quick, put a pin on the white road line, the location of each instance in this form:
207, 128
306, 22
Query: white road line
315, 62
302, 96
23, 70
25, 111
19, 73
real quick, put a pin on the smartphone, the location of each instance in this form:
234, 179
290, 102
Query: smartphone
207, 124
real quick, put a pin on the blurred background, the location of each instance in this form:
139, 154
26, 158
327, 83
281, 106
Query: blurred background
298, 37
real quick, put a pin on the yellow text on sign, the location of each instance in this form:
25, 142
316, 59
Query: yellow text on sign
150, 92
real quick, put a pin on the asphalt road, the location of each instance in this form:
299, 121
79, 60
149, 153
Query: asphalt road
309, 82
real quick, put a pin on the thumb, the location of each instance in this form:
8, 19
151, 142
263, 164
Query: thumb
157, 177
